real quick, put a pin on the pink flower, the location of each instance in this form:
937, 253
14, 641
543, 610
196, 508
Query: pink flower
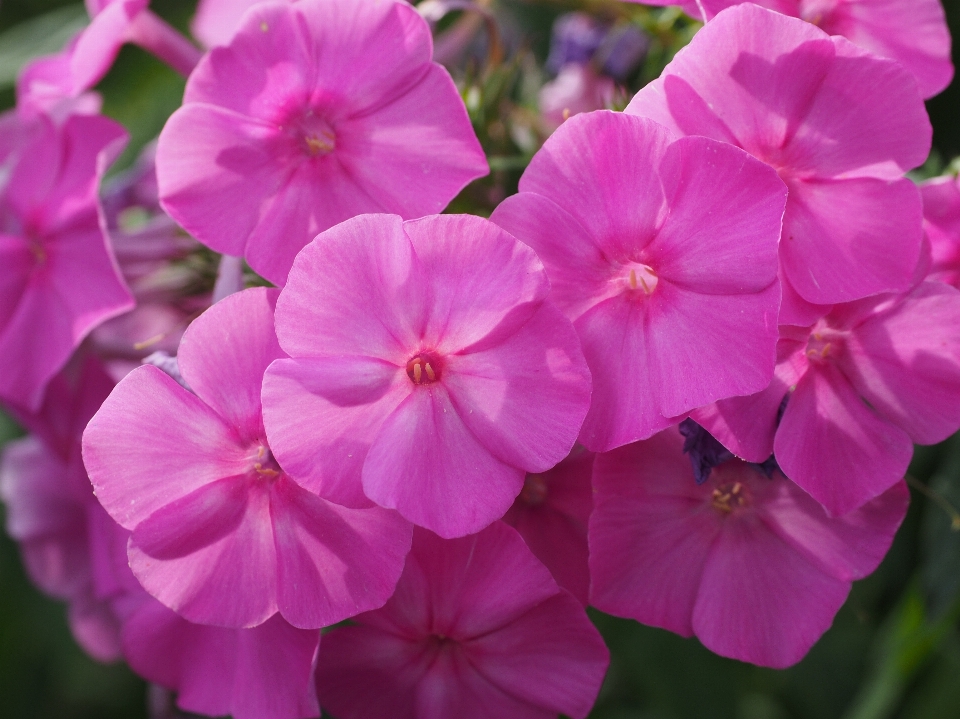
860, 387
427, 370
60, 279
752, 566
49, 503
912, 32
661, 251
220, 533
577, 88
477, 629
314, 113
551, 515
839, 125
941, 217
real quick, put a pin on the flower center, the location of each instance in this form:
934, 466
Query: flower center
730, 496
317, 135
640, 278
264, 464
823, 346
534, 490
424, 368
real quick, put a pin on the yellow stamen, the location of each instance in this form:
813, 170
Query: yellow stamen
633, 280
430, 373
417, 372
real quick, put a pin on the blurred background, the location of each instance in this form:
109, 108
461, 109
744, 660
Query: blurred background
894, 649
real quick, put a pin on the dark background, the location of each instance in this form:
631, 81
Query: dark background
894, 650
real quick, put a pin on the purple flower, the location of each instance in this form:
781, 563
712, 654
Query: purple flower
60, 279
751, 565
314, 113
220, 534
839, 125
941, 219
477, 629
428, 372
662, 251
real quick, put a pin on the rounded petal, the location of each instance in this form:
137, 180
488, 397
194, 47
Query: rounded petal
524, 399
334, 562
427, 464
225, 352
153, 442
834, 447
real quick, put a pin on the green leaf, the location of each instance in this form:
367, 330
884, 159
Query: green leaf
41, 35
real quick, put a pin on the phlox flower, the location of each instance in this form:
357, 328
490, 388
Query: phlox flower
428, 372
840, 126
220, 534
60, 279
852, 394
315, 112
477, 629
912, 32
941, 220
662, 251
49, 503
575, 89
551, 515
751, 565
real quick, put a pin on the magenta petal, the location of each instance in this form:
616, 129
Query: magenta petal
216, 21
906, 363
397, 146
551, 657
329, 460
735, 615
99, 43
334, 562
231, 582
232, 159
483, 280
224, 353
525, 399
833, 446
356, 658
848, 547
649, 534
189, 446
871, 246
260, 673
355, 290
617, 214
426, 464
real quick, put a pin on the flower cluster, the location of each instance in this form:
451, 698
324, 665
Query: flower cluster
677, 376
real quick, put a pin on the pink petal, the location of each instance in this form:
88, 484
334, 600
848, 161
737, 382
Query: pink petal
650, 533
218, 190
622, 408
551, 657
724, 206
906, 363
230, 582
834, 447
398, 146
224, 353
761, 601
524, 399
871, 246
848, 547
260, 673
335, 398
622, 214
419, 450
100, 42
485, 284
358, 289
189, 446
216, 21
334, 562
